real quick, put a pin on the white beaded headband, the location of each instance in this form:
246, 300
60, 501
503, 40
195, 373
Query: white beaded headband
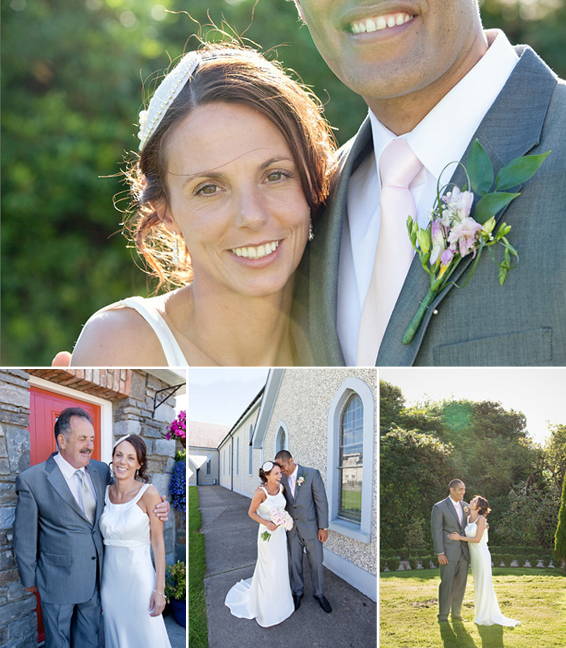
165, 95
120, 440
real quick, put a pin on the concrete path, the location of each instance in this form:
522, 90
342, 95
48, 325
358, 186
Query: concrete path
231, 552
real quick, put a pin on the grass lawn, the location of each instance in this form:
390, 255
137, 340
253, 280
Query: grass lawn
198, 629
536, 597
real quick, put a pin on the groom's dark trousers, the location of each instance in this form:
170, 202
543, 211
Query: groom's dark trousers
60, 551
453, 576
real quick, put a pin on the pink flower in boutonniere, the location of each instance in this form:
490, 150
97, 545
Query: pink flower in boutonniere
455, 229
466, 509
300, 480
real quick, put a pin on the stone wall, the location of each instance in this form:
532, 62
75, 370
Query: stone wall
18, 621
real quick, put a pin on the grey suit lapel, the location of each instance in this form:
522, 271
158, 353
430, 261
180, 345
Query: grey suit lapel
526, 96
100, 489
324, 257
453, 510
59, 483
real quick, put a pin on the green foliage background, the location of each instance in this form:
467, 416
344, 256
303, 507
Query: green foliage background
71, 80
424, 447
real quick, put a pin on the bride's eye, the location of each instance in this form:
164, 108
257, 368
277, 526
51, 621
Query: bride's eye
208, 189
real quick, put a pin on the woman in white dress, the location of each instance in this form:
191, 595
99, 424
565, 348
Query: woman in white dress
234, 166
266, 597
132, 591
487, 610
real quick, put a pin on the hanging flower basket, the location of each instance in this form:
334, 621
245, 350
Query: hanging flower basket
178, 428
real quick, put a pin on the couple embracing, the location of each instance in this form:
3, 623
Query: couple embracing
459, 531
82, 540
277, 586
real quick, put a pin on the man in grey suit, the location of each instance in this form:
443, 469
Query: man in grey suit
449, 516
58, 545
430, 74
308, 506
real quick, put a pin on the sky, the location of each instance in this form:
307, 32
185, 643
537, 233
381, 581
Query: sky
539, 393
221, 395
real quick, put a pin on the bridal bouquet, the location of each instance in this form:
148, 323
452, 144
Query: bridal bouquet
455, 230
280, 517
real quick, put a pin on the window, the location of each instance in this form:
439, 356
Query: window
350, 462
351, 445
250, 452
281, 438
209, 464
238, 456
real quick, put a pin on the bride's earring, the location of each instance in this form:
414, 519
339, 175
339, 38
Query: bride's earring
311, 232
176, 254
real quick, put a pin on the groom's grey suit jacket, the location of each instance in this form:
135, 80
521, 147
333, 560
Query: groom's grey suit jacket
309, 507
444, 520
57, 549
522, 322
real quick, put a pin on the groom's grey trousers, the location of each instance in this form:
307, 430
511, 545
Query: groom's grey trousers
82, 620
453, 577
314, 554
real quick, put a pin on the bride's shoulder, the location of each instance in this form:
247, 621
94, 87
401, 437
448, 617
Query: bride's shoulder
118, 335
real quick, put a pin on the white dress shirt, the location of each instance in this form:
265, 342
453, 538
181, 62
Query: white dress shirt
72, 479
292, 480
458, 510
440, 138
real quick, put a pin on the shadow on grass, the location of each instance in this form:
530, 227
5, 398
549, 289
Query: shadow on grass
458, 637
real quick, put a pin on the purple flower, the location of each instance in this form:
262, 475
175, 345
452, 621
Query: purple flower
463, 234
459, 202
438, 242
447, 256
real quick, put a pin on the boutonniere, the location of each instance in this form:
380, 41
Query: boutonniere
466, 510
300, 480
455, 230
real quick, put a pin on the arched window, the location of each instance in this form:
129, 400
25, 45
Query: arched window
351, 445
238, 456
281, 438
351, 460
250, 452
209, 464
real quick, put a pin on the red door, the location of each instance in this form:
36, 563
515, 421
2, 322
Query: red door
45, 407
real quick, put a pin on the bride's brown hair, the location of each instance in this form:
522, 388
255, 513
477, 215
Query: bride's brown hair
483, 505
232, 74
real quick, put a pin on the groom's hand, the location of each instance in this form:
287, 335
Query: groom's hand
323, 535
162, 510
31, 589
442, 560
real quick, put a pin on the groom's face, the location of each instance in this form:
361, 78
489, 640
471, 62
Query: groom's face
287, 467
383, 49
457, 493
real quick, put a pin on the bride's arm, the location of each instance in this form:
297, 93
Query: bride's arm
257, 499
480, 528
157, 601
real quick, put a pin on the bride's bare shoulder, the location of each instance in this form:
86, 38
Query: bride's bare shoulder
118, 336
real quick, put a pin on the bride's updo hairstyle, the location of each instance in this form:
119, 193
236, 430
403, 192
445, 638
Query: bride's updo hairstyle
265, 470
483, 506
141, 454
230, 74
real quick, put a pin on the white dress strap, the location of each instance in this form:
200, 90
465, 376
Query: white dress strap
171, 349
264, 490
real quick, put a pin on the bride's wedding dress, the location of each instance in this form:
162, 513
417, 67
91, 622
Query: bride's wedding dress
128, 578
487, 607
266, 597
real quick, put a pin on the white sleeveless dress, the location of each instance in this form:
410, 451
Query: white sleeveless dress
171, 349
266, 597
128, 578
485, 600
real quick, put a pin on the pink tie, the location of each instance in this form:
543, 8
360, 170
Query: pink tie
398, 167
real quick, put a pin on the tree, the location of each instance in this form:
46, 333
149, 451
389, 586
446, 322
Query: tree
391, 402
560, 538
415, 470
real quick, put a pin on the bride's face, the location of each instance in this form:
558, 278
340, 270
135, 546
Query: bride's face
474, 504
125, 460
236, 197
274, 476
